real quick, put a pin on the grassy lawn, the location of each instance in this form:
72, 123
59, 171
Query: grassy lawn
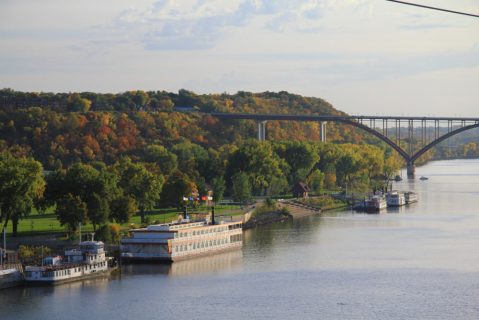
47, 223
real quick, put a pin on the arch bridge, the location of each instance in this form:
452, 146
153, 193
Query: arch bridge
390, 129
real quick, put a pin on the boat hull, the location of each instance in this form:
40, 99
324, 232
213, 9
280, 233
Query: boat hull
49, 282
170, 259
10, 278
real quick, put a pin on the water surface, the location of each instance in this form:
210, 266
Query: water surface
416, 262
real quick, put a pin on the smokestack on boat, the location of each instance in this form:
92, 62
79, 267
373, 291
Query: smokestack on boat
213, 215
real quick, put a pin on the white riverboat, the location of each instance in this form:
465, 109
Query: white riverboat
88, 261
10, 277
180, 240
411, 197
395, 199
375, 204
10, 268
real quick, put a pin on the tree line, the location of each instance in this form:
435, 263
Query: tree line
98, 193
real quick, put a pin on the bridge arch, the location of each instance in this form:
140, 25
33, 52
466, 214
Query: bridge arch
391, 143
442, 138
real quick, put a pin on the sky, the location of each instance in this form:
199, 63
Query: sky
366, 57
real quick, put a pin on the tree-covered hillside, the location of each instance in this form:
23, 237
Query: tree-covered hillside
68, 128
109, 156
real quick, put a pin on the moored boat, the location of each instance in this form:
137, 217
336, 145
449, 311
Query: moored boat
10, 277
411, 197
10, 268
180, 240
87, 261
375, 204
395, 199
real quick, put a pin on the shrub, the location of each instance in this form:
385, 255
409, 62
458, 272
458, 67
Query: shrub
33, 255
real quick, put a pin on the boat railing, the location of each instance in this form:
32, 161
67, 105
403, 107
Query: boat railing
7, 266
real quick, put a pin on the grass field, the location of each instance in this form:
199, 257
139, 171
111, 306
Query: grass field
47, 222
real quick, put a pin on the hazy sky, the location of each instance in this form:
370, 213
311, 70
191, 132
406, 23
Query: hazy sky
364, 56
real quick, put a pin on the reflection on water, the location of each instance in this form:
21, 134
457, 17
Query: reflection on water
222, 262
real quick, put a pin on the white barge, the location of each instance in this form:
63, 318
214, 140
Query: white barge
86, 262
181, 240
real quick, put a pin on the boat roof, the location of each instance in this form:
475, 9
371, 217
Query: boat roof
177, 226
91, 243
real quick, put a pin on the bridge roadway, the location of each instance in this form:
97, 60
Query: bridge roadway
455, 125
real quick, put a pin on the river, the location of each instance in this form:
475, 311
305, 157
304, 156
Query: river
417, 262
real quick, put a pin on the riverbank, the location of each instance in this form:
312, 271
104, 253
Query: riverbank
266, 218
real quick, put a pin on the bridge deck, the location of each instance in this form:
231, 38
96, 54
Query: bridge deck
332, 118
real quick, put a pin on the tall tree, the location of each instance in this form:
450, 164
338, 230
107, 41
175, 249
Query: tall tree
98, 210
259, 162
140, 184
240, 187
71, 211
301, 158
122, 209
22, 184
96, 188
219, 187
177, 186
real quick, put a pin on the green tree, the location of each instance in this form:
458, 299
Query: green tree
78, 104
259, 162
300, 156
167, 161
164, 104
98, 210
347, 166
316, 181
96, 188
219, 186
71, 211
176, 187
140, 99
278, 186
192, 158
241, 187
22, 184
140, 184
122, 209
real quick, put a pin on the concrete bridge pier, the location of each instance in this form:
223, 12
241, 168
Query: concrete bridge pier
322, 131
262, 130
411, 168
